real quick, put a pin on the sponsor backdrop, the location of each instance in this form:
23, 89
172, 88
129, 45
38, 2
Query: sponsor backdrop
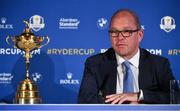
77, 29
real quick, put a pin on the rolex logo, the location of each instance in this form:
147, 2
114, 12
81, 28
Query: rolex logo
4, 25
69, 80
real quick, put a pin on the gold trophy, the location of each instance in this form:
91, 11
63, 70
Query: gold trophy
27, 91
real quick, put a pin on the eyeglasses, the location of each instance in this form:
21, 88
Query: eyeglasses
125, 33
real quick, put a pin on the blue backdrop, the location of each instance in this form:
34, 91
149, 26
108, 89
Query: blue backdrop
77, 29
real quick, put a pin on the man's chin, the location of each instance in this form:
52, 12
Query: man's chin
122, 51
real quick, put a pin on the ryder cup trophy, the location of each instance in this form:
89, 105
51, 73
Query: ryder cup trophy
27, 91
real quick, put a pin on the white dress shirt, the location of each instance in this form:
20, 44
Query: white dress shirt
134, 64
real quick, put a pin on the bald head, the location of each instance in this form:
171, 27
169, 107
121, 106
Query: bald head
126, 12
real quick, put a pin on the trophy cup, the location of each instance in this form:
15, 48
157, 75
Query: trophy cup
27, 91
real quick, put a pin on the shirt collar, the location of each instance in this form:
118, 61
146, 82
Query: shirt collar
134, 60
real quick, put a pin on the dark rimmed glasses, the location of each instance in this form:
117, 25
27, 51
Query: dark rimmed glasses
125, 33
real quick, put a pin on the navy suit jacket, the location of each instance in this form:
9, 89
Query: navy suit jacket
100, 76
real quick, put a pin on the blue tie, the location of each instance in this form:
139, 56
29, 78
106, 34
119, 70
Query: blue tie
128, 78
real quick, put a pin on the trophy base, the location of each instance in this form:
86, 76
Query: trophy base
27, 93
28, 101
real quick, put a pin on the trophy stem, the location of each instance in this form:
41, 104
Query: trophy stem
27, 69
27, 56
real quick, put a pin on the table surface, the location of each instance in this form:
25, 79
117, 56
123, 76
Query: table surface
87, 107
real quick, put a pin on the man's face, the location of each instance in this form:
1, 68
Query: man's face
126, 47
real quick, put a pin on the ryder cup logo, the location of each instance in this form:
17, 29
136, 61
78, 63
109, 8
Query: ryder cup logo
102, 23
167, 23
36, 22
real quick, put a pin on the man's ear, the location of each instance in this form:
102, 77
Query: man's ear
141, 34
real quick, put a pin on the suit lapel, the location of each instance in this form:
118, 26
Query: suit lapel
110, 77
109, 67
144, 69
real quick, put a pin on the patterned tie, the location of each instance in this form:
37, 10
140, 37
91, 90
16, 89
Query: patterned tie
128, 78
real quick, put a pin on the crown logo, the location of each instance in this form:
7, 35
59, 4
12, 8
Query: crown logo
3, 20
69, 75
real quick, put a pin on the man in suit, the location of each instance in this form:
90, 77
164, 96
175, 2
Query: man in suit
105, 75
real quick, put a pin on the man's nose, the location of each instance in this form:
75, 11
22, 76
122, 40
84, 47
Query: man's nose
120, 37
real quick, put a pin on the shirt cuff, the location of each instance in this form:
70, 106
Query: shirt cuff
140, 95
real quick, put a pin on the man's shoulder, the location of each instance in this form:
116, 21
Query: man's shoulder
101, 57
153, 57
